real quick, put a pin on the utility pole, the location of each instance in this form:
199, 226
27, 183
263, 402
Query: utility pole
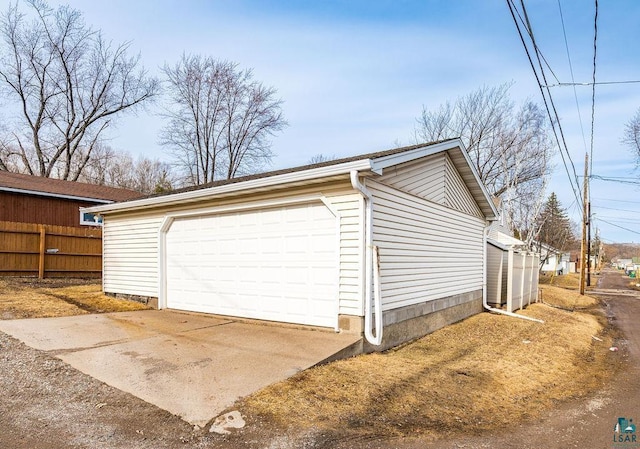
583, 243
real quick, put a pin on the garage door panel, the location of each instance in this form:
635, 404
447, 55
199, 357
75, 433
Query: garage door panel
274, 264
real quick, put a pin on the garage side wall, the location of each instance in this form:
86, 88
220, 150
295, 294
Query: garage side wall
431, 259
427, 251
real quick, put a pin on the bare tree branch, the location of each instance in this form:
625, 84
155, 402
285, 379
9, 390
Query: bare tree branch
220, 120
631, 136
68, 84
510, 147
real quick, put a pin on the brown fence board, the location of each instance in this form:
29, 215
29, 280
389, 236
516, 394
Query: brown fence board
28, 249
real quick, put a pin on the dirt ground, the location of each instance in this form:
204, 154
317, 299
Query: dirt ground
584, 423
47, 404
23, 297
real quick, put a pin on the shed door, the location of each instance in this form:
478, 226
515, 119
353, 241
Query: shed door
277, 264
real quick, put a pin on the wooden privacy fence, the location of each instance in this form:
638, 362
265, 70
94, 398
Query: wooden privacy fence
28, 249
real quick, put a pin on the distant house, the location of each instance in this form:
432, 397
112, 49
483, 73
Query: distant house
621, 264
35, 199
554, 260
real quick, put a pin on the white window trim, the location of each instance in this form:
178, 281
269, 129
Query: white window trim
84, 222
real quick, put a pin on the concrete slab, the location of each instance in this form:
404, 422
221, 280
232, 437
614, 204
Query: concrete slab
192, 365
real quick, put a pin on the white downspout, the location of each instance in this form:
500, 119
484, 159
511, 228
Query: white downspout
370, 275
484, 283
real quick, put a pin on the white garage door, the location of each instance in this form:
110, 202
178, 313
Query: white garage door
277, 264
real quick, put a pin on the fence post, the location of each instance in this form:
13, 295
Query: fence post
42, 252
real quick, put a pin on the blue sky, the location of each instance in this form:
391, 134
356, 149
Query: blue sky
354, 75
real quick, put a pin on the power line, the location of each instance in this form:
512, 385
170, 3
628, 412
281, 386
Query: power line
620, 180
513, 10
616, 200
617, 226
593, 86
599, 83
619, 210
573, 81
619, 220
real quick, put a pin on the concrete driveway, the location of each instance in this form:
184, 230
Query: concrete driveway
191, 365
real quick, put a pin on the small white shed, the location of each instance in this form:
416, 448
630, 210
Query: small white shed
512, 272
369, 244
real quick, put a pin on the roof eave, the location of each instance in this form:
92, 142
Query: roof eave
55, 195
484, 200
181, 198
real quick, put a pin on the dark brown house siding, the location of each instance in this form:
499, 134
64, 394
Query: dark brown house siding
39, 209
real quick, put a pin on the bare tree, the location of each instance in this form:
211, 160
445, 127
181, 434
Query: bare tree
510, 148
319, 158
118, 169
631, 136
220, 120
66, 84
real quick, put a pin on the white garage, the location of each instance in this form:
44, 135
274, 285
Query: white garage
372, 245
275, 264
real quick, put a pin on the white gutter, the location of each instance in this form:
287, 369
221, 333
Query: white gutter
267, 181
485, 304
370, 275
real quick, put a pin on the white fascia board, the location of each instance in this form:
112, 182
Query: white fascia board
476, 175
178, 198
379, 164
54, 195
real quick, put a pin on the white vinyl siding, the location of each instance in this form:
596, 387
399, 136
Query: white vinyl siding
423, 177
427, 251
349, 208
457, 195
130, 255
496, 272
131, 249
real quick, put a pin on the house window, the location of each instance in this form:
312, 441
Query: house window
90, 219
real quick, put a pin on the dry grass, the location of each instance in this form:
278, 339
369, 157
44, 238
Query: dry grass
566, 299
569, 281
30, 298
483, 373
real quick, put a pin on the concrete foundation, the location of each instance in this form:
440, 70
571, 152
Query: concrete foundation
409, 323
147, 300
350, 324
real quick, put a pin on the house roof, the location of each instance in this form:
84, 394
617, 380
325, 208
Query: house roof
41, 186
371, 162
505, 239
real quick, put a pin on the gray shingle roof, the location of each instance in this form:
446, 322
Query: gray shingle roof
48, 186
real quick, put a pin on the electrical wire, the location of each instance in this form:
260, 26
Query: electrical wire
593, 86
619, 210
620, 180
573, 80
616, 200
513, 10
599, 83
617, 226
619, 220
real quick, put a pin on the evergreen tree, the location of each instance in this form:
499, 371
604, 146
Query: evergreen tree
554, 227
